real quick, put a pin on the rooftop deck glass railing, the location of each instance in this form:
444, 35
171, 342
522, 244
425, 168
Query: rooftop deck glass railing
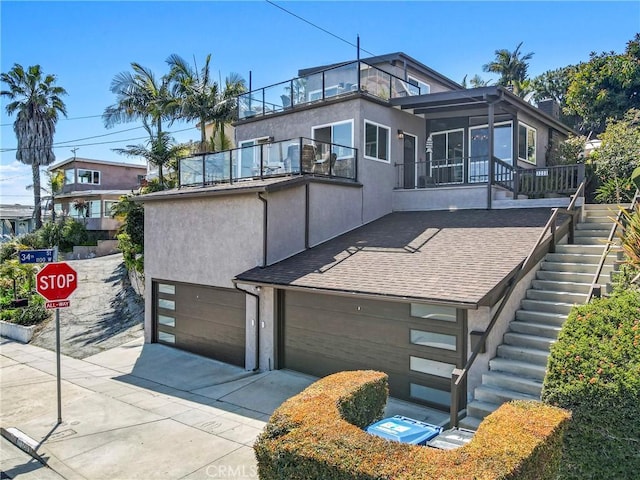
296, 156
330, 83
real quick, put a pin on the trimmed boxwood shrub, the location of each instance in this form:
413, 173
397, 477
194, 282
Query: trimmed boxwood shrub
594, 371
318, 435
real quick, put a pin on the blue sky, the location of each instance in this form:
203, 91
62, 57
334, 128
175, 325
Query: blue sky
87, 43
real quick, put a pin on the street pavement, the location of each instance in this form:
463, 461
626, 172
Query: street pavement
142, 411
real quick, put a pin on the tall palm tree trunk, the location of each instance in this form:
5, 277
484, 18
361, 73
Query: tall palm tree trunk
37, 208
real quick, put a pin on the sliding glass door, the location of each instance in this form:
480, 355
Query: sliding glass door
479, 149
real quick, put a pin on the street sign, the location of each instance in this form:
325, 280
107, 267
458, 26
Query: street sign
37, 256
56, 281
57, 304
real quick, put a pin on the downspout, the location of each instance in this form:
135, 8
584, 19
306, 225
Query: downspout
306, 216
257, 330
265, 213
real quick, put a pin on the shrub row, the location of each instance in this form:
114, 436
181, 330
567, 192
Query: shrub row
594, 370
318, 435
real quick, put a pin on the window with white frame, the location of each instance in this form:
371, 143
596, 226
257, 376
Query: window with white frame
108, 207
89, 176
376, 141
70, 176
94, 209
340, 134
424, 87
526, 143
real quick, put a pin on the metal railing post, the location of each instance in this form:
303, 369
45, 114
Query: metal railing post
261, 161
230, 167
455, 398
203, 172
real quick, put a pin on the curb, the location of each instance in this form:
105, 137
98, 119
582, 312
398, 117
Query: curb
25, 443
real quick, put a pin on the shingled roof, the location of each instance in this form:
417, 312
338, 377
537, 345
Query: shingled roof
457, 257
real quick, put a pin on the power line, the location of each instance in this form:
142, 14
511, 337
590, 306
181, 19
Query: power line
57, 146
319, 27
63, 118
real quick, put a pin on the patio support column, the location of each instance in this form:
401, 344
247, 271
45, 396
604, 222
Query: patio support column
490, 129
514, 154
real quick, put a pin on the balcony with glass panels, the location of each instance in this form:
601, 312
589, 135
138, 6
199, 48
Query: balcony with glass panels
296, 156
343, 80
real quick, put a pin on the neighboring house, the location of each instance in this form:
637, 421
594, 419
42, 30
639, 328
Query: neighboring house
97, 184
360, 223
16, 220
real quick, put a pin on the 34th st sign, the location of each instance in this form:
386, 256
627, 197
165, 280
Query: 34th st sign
56, 282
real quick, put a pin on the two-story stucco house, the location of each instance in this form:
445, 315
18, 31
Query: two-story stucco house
98, 184
360, 224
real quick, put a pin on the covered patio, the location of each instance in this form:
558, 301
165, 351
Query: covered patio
464, 126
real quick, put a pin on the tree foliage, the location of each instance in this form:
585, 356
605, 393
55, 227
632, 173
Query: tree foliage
131, 234
201, 98
605, 87
37, 100
512, 67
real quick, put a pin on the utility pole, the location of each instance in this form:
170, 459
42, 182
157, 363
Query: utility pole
74, 150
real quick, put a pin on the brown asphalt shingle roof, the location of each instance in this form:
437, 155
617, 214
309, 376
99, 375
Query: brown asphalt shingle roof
456, 257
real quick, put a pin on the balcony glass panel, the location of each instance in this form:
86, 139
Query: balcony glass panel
375, 81
276, 98
191, 171
216, 167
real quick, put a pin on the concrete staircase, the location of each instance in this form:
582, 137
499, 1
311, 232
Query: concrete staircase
564, 279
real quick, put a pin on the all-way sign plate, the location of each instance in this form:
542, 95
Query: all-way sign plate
37, 256
57, 304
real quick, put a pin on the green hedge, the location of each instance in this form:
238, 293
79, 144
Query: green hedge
594, 371
317, 435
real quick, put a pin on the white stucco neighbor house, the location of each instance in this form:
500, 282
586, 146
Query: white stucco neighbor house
360, 223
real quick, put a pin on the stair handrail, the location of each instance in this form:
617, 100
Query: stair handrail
459, 375
595, 287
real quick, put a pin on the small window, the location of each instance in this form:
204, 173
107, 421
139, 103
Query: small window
166, 337
89, 176
166, 288
376, 141
94, 209
424, 87
431, 367
429, 394
434, 340
70, 176
166, 320
108, 207
526, 143
433, 312
166, 304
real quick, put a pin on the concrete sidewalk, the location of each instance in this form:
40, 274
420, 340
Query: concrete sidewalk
143, 411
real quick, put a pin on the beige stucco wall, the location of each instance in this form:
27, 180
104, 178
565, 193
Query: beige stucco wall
458, 197
478, 320
201, 241
286, 223
333, 210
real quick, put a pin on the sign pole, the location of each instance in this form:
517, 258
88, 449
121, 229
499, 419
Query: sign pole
59, 385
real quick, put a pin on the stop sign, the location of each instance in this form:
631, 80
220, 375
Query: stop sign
56, 281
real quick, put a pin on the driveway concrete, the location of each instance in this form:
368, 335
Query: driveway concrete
143, 411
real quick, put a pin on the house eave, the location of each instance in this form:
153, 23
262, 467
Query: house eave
469, 305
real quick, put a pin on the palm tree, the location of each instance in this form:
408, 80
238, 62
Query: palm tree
512, 67
160, 151
37, 100
140, 96
203, 99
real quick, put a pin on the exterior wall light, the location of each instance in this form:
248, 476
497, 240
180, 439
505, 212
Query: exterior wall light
400, 134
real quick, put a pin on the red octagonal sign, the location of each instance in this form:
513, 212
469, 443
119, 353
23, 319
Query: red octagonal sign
56, 281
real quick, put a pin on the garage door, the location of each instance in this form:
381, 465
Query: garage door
416, 345
204, 320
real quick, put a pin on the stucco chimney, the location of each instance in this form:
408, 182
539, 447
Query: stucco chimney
550, 107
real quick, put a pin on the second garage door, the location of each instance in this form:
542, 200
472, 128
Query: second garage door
200, 319
417, 346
